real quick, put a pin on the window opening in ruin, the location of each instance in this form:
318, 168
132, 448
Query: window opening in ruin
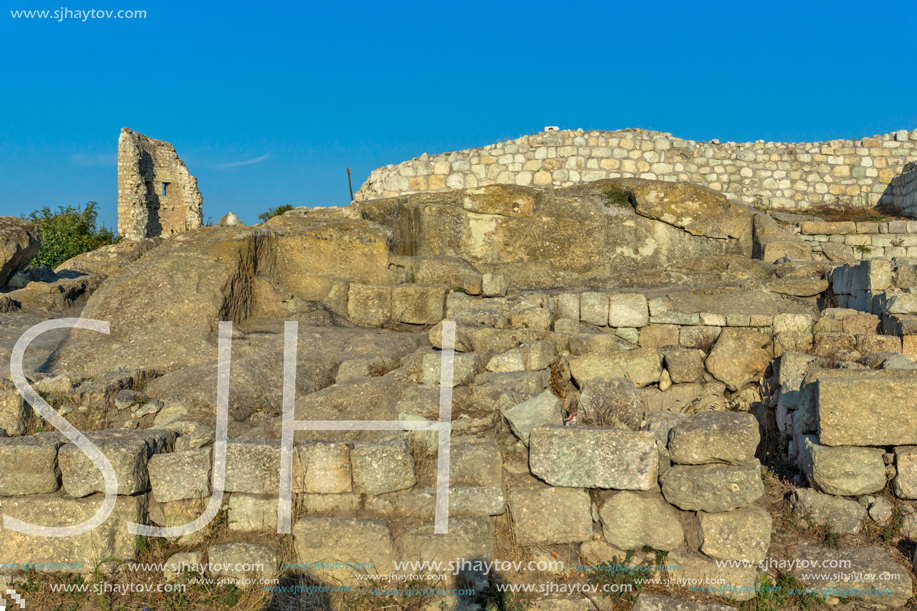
164, 185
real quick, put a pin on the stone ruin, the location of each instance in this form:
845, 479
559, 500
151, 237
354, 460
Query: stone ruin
642, 369
156, 194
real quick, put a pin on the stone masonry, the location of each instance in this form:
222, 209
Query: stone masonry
904, 191
156, 194
777, 175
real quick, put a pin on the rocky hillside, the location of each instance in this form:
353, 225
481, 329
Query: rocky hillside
631, 385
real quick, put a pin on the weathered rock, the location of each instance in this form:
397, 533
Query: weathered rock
684, 365
743, 534
611, 402
842, 516
642, 365
842, 471
715, 437
628, 310
632, 520
739, 356
494, 285
474, 462
464, 368
20, 241
369, 305
905, 481
594, 457
365, 543
463, 502
76, 554
253, 466
234, 558
545, 409
322, 467
594, 309
14, 410
507, 362
182, 562
419, 304
551, 515
867, 408
797, 287
733, 582
108, 260
712, 488
471, 538
600, 343
659, 335
881, 580
379, 468
247, 513
29, 464
656, 602
180, 475
128, 452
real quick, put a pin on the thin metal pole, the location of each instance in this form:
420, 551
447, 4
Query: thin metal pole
349, 183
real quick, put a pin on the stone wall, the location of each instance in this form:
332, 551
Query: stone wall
846, 241
904, 191
791, 176
156, 194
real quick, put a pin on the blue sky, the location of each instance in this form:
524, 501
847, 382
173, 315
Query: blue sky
268, 103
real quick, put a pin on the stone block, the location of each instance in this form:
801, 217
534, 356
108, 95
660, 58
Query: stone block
419, 304
875, 344
551, 515
463, 502
739, 356
861, 324
676, 318
506, 362
597, 343
29, 464
181, 475
905, 482
712, 488
471, 538
657, 602
369, 305
567, 306
830, 344
128, 452
659, 335
364, 546
735, 582
628, 310
380, 468
611, 402
14, 410
545, 409
699, 337
247, 513
714, 437
842, 516
494, 285
253, 466
632, 520
842, 471
476, 463
538, 355
567, 325
235, 558
642, 365
743, 534
880, 580
110, 540
594, 309
594, 457
867, 408
685, 366
827, 228
464, 368
322, 467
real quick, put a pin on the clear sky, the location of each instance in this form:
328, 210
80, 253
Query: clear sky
267, 103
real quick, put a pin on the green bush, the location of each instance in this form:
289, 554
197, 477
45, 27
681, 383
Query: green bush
68, 232
272, 212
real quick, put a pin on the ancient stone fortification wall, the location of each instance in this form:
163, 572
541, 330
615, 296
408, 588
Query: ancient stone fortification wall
156, 194
904, 191
774, 174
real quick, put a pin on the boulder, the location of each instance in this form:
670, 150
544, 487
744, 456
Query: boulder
20, 241
739, 356
685, 366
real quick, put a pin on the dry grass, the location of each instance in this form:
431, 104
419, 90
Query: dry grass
842, 210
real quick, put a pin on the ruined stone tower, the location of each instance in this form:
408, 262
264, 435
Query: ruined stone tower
156, 194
